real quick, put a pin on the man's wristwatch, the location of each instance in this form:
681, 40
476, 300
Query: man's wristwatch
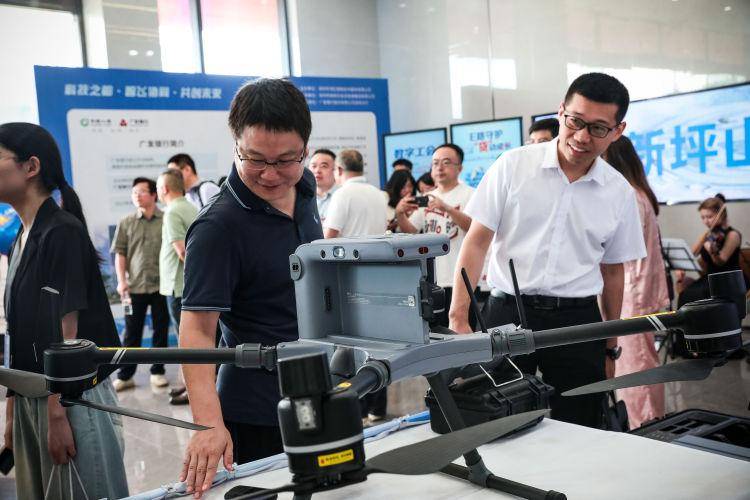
614, 352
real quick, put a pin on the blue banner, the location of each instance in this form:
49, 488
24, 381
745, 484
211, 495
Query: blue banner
694, 145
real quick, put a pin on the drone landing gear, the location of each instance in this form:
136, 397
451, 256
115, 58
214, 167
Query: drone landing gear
475, 471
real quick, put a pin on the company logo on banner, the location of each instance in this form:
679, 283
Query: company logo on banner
115, 125
694, 145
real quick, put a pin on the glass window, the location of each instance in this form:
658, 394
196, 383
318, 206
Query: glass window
242, 37
60, 46
142, 34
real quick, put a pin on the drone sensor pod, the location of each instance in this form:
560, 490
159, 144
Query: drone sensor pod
319, 448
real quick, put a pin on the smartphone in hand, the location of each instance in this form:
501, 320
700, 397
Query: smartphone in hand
421, 201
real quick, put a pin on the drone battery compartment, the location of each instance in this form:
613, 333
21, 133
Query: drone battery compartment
480, 401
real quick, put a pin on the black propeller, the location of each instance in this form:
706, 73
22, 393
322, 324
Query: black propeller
433, 454
27, 384
694, 369
143, 415
424, 457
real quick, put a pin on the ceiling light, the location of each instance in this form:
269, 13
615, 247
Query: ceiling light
133, 52
149, 53
727, 8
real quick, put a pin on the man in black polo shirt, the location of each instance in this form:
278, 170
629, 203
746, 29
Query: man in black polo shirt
237, 273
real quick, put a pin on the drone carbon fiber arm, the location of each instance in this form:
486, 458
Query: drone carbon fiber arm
243, 356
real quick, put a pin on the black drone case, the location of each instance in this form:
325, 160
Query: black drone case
480, 401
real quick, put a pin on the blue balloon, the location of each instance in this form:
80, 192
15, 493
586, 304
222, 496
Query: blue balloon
9, 224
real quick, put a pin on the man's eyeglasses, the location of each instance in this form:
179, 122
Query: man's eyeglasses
595, 129
445, 162
261, 164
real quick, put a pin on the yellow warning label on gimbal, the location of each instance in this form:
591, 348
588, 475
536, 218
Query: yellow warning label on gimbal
336, 458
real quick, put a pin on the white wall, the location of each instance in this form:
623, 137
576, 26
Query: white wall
449, 61
334, 38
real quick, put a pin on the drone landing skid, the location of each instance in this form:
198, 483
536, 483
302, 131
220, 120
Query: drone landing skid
475, 471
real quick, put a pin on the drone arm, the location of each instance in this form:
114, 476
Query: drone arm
243, 356
371, 377
607, 329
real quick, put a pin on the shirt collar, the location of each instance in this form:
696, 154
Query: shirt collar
359, 178
45, 212
551, 160
157, 214
250, 201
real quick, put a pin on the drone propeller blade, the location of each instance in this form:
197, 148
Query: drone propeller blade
694, 369
27, 384
433, 454
248, 492
143, 415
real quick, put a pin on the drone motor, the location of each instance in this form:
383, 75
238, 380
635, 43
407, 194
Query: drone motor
71, 367
321, 426
715, 323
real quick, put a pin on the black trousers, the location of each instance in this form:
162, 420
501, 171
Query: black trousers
253, 442
134, 328
564, 367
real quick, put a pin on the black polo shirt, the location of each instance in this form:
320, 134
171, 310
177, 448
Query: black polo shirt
237, 262
58, 254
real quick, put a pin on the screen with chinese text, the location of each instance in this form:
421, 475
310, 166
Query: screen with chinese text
694, 145
483, 143
416, 146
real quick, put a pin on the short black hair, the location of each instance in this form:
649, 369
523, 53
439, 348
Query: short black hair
426, 178
151, 183
550, 124
602, 88
183, 160
351, 160
404, 162
454, 147
274, 103
324, 151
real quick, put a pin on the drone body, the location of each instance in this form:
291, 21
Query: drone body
364, 305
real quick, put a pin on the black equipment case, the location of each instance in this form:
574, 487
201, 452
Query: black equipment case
480, 401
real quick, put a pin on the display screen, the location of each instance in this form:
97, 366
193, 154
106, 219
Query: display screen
536, 118
483, 143
694, 145
416, 146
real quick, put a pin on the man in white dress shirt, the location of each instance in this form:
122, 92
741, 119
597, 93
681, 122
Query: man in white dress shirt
357, 207
568, 220
322, 165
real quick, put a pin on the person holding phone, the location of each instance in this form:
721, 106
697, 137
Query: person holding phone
441, 214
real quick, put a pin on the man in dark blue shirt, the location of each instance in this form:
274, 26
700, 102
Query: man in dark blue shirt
237, 273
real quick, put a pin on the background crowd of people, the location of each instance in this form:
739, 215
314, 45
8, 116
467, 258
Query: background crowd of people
572, 208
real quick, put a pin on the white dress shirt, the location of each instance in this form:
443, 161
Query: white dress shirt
556, 232
357, 209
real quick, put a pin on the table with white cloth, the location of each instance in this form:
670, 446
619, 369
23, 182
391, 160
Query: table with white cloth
581, 462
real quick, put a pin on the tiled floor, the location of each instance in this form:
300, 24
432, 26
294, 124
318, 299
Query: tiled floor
153, 452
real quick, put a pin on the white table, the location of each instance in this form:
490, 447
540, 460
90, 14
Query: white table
583, 463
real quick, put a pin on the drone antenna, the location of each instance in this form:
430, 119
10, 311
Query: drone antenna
473, 299
517, 293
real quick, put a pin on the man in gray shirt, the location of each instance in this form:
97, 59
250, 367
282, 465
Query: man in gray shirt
136, 247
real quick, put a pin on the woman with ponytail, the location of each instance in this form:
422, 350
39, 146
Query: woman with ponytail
80, 449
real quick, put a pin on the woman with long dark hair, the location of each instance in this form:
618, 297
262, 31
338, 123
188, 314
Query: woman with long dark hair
59, 452
645, 290
400, 184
